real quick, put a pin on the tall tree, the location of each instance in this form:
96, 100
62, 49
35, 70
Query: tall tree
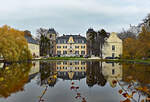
101, 40
91, 35
13, 45
44, 41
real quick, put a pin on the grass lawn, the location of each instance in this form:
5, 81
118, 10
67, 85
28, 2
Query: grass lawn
110, 60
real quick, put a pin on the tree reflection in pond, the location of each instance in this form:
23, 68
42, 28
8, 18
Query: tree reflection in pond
80, 77
94, 74
135, 82
13, 78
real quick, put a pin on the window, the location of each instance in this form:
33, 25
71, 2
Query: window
82, 52
76, 63
65, 63
58, 46
113, 47
59, 52
113, 54
70, 63
76, 52
76, 46
83, 63
65, 41
64, 52
82, 46
82, 41
58, 63
64, 46
113, 71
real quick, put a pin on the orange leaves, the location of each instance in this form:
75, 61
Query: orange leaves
74, 88
72, 83
120, 91
142, 100
114, 81
144, 89
78, 94
83, 100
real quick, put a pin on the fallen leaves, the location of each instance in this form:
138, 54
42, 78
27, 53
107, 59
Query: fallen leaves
120, 91
78, 94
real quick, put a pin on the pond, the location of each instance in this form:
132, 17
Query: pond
74, 81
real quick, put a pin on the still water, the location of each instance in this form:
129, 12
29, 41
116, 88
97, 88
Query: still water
74, 81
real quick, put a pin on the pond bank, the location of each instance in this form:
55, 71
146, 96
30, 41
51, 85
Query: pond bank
96, 59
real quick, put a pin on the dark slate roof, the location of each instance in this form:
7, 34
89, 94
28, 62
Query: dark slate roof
30, 39
52, 31
76, 38
90, 30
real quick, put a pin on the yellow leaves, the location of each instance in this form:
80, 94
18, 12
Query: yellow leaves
6, 68
144, 89
12, 44
126, 95
137, 48
1, 78
142, 100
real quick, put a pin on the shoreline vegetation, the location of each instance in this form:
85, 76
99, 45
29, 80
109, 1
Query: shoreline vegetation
140, 61
147, 61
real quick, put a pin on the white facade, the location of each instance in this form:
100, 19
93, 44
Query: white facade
113, 46
113, 72
34, 49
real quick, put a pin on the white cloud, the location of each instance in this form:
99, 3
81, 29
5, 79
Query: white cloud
72, 16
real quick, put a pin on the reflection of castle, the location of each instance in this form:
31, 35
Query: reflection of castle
101, 72
112, 71
71, 70
34, 69
95, 72
1, 65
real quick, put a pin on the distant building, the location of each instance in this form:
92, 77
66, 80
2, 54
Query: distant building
33, 46
71, 45
52, 34
113, 46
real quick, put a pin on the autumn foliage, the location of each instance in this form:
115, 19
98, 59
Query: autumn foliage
13, 45
137, 48
13, 78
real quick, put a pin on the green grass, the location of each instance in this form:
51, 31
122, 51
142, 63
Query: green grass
110, 60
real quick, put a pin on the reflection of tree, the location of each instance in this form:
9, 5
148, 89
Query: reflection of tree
48, 73
135, 81
13, 78
139, 72
94, 74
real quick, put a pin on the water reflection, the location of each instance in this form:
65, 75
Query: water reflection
71, 70
13, 78
91, 74
96, 73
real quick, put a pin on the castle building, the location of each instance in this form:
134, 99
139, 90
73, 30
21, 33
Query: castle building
52, 34
33, 46
113, 46
71, 45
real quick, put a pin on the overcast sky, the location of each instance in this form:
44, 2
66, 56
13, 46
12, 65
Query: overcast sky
73, 16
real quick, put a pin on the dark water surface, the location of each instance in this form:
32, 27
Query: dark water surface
74, 81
